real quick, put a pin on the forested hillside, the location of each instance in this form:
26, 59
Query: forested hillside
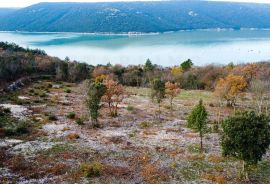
136, 16
17, 62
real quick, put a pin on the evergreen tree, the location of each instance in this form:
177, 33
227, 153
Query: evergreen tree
246, 136
96, 91
197, 120
158, 92
186, 65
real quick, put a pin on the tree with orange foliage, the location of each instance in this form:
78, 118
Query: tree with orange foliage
100, 78
171, 91
249, 72
114, 95
230, 87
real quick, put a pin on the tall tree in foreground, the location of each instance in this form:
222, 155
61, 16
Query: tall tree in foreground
197, 120
171, 91
96, 91
246, 136
158, 92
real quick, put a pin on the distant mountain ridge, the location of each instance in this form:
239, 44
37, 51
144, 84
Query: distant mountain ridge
122, 17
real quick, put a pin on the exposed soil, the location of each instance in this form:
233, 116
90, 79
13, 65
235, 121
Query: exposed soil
134, 147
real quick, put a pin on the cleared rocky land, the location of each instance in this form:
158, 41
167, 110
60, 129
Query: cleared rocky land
63, 147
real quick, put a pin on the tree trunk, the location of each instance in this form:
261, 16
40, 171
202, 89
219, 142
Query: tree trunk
201, 136
159, 112
245, 173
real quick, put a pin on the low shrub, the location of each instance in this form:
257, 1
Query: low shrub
67, 90
52, 117
73, 136
71, 115
130, 108
144, 124
11, 126
80, 121
92, 170
43, 94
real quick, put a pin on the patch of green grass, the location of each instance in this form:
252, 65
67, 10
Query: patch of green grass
194, 148
195, 95
58, 148
139, 91
194, 169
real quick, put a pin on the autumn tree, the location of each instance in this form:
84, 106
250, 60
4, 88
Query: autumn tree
249, 71
158, 92
260, 90
197, 120
176, 71
96, 91
171, 91
113, 96
246, 136
230, 87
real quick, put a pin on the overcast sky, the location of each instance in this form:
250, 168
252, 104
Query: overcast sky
24, 3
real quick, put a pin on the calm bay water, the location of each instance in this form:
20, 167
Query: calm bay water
203, 47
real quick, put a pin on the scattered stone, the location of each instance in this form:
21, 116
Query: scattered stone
17, 111
9, 142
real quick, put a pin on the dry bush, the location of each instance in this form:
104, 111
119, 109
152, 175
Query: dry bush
215, 158
196, 157
57, 169
116, 171
73, 136
92, 170
152, 174
214, 178
18, 164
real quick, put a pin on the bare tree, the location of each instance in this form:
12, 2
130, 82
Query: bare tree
260, 92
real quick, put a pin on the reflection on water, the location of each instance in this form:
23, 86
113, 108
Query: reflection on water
203, 47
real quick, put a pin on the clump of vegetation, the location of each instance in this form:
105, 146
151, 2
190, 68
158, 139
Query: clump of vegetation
194, 148
80, 121
158, 93
43, 94
57, 148
52, 117
96, 91
67, 90
230, 87
71, 115
246, 137
92, 170
171, 91
197, 120
144, 124
73, 136
130, 108
11, 126
113, 96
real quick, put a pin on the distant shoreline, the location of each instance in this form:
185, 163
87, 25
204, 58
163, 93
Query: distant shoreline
140, 33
